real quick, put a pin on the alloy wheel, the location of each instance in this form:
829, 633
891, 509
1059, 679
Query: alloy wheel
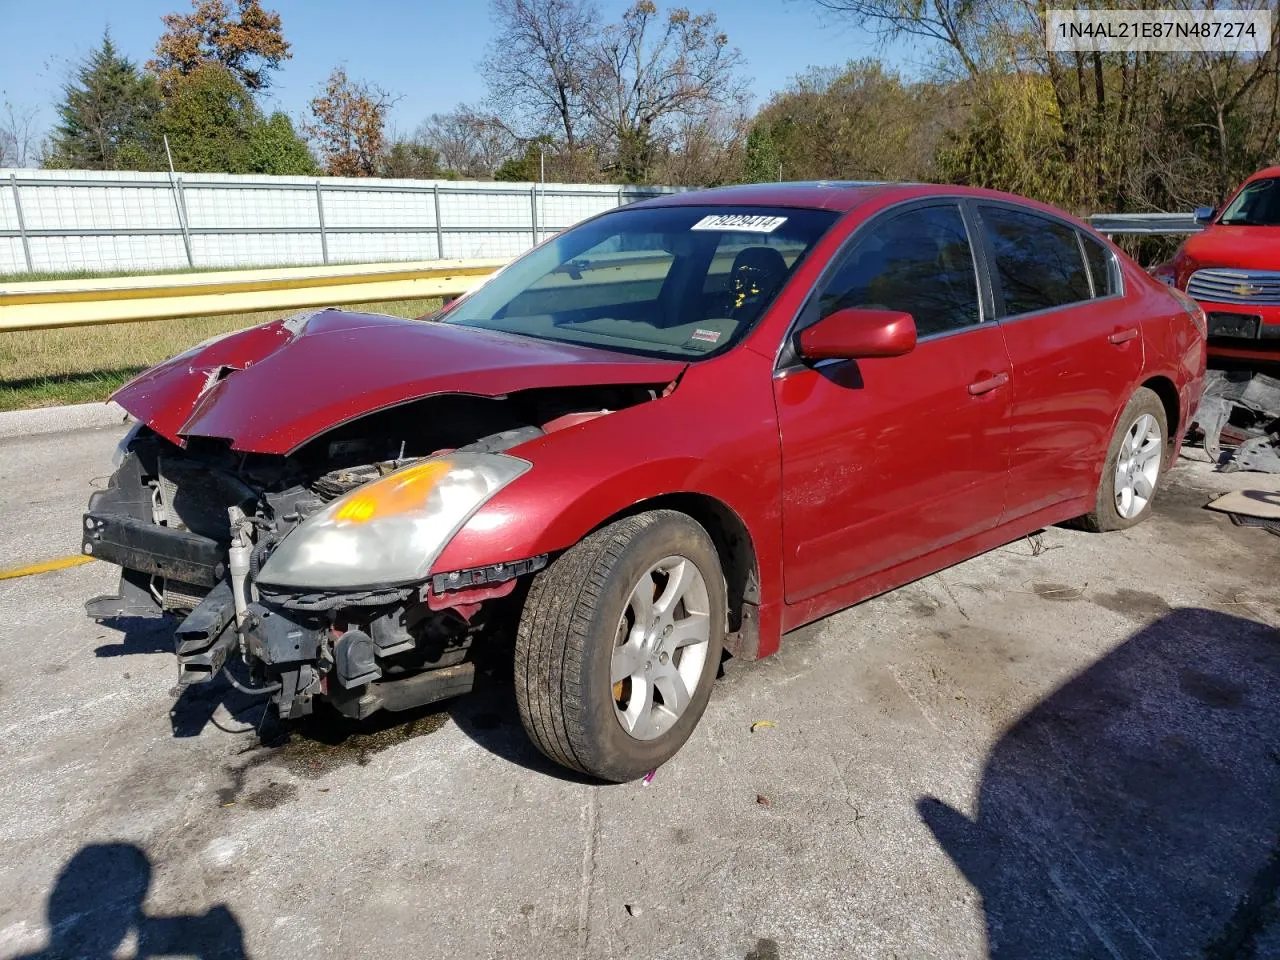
1138, 466
660, 648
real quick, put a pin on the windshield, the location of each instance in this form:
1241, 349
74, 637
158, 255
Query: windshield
1257, 205
680, 282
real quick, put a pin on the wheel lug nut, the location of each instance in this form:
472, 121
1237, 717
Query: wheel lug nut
664, 657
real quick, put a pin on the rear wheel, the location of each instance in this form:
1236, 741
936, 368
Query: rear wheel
619, 643
1134, 464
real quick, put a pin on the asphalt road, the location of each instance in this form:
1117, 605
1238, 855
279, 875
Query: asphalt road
1066, 747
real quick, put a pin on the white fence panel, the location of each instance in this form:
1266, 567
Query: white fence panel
87, 220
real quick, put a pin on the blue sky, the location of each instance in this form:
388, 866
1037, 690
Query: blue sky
425, 51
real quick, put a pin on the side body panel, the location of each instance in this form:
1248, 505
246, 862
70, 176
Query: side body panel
1070, 382
1074, 368
888, 459
796, 615
1173, 348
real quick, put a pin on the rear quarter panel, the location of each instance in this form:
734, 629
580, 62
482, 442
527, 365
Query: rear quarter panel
1174, 348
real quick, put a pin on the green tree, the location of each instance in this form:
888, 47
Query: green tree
210, 119
276, 148
856, 122
524, 167
1012, 140
761, 163
107, 114
410, 159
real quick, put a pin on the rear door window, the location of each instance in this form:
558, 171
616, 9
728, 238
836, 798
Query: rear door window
919, 262
1037, 260
1101, 266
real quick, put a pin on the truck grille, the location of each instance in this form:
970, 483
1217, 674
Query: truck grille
1235, 286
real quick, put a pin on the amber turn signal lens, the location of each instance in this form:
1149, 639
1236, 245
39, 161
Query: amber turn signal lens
397, 493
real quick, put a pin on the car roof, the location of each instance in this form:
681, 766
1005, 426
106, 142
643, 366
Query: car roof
1265, 173
839, 195
836, 195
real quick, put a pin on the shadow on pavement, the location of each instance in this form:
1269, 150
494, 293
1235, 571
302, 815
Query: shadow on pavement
96, 905
1135, 811
197, 706
139, 635
489, 716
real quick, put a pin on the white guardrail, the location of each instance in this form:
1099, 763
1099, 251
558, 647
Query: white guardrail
1149, 224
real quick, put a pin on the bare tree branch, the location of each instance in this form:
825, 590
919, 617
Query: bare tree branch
536, 63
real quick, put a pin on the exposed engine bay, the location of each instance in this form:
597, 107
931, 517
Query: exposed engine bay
195, 530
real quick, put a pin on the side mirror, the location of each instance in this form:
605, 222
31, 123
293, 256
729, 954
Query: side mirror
855, 334
1204, 214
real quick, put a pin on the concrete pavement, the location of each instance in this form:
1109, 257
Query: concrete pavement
1069, 746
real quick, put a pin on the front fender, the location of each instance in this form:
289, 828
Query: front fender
544, 513
716, 436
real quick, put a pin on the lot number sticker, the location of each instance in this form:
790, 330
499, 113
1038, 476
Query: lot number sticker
743, 222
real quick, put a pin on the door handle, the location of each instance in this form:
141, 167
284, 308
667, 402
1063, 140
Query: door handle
979, 387
1123, 336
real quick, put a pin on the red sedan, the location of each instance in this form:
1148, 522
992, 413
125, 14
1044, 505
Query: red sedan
679, 428
1233, 269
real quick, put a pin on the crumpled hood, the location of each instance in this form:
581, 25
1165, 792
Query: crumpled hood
271, 388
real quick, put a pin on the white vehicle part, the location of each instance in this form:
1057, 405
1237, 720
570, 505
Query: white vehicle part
238, 566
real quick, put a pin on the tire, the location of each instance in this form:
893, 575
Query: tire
581, 608
1110, 512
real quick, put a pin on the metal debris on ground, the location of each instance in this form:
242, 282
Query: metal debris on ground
1259, 454
648, 777
762, 725
1241, 410
1251, 508
1250, 503
1271, 526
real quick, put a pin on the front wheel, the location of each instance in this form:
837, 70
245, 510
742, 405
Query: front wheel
1135, 461
619, 644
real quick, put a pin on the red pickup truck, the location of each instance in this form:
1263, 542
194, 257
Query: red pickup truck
1233, 269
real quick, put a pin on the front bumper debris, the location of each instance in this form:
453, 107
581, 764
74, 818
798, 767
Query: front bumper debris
174, 523
160, 551
1241, 410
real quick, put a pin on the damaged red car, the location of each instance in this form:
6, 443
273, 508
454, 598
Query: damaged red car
680, 428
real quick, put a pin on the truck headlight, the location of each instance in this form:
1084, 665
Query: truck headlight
390, 531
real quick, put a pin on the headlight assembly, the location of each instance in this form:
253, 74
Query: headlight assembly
390, 531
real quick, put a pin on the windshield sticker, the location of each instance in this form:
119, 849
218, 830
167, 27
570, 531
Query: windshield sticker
706, 336
744, 222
